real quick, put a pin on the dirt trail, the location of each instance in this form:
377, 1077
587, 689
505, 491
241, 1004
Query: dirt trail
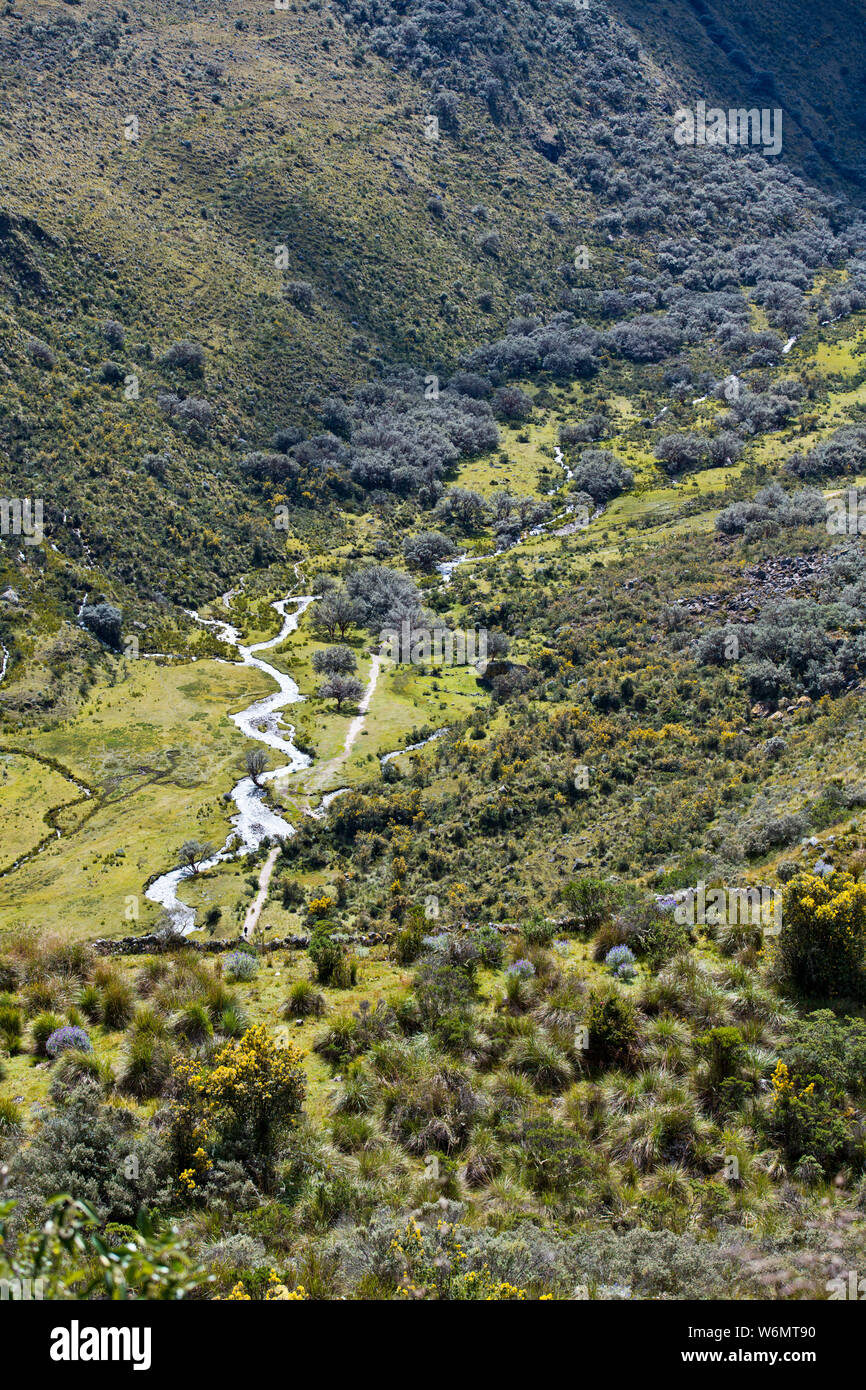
254, 911
357, 723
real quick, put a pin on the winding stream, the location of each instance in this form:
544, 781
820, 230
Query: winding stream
447, 567
255, 821
260, 721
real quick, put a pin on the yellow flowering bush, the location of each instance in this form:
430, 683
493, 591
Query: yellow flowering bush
238, 1106
277, 1291
823, 934
811, 1118
430, 1263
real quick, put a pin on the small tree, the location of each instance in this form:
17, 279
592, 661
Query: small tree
425, 550
337, 612
256, 763
511, 403
341, 688
467, 509
193, 854
334, 661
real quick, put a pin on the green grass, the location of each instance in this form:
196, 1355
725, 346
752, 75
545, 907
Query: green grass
159, 751
29, 790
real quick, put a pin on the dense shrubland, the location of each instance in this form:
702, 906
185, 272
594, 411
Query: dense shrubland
516, 1117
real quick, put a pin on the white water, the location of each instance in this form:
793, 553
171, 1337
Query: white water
255, 820
260, 721
447, 567
5, 661
557, 454
410, 748
322, 809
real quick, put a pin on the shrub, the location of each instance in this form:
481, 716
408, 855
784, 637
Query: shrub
240, 965
620, 961
300, 292
105, 622
823, 933
407, 943
304, 1001
443, 991
334, 966
490, 946
247, 1098
724, 1056
831, 1046
40, 353
589, 901
553, 1156
114, 333
42, 1028
809, 1117
539, 931
612, 1023
186, 355
67, 1037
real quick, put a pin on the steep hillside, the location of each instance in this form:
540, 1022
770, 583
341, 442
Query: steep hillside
431, 571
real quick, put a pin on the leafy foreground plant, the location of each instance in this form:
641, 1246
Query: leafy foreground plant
68, 1258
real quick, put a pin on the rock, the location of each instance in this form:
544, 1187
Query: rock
499, 668
548, 142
